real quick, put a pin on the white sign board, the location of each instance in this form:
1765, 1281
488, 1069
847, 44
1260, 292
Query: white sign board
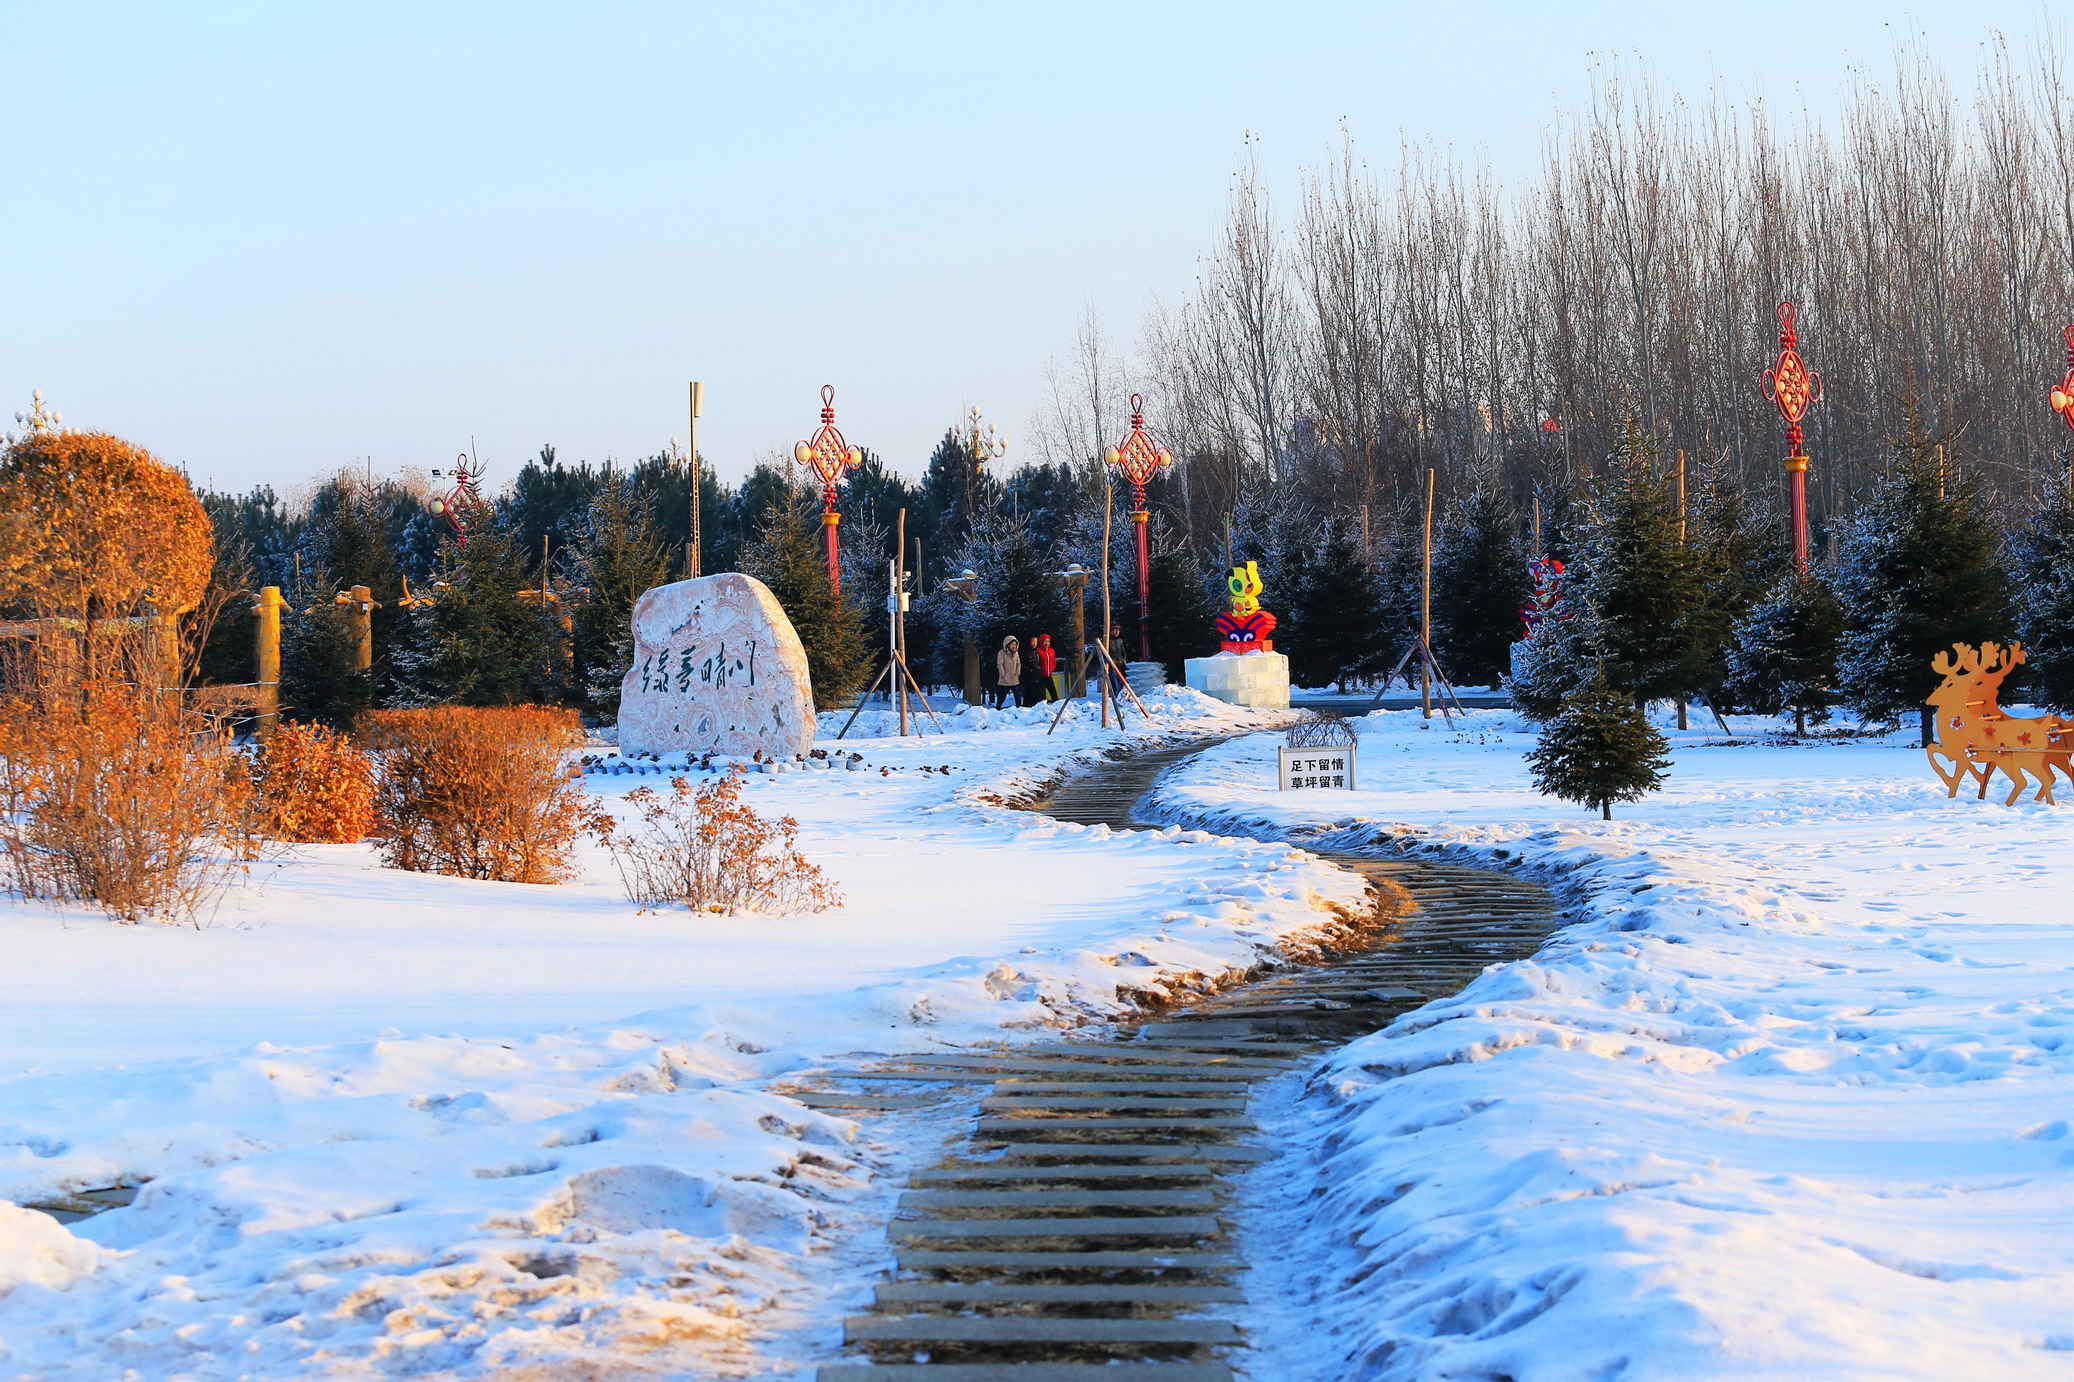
1333, 767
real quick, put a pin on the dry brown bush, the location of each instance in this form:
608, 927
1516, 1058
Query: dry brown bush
704, 849
479, 793
315, 786
113, 790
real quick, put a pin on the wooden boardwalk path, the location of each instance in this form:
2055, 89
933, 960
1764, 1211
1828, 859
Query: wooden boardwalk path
1081, 1233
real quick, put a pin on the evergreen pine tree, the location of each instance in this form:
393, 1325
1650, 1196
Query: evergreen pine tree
477, 643
1558, 661
1183, 608
1015, 596
787, 555
1479, 583
1920, 572
1739, 560
1599, 749
953, 494
1334, 630
1642, 583
319, 646
2044, 570
1400, 581
615, 556
1785, 650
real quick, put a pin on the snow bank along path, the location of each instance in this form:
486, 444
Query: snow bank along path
1790, 1099
402, 1125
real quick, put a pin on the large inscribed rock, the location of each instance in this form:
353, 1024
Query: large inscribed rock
717, 668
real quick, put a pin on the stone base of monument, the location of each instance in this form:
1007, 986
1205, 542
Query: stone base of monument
1146, 678
1253, 679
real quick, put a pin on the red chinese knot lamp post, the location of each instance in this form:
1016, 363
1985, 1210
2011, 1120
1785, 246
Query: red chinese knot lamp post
1140, 458
1791, 385
830, 456
2063, 392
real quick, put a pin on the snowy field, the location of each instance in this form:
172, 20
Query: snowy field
398, 1124
1792, 1099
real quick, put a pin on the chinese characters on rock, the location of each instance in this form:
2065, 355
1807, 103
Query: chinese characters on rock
717, 668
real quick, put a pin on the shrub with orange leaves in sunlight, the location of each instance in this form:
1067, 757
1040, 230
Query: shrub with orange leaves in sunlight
315, 786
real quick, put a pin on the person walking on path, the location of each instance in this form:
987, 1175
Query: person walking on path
1047, 667
1008, 673
1112, 668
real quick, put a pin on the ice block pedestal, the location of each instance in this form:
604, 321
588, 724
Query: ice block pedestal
1258, 679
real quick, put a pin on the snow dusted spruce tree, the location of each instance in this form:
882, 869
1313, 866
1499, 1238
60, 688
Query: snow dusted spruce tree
1479, 583
477, 643
1740, 554
1785, 650
1640, 579
1332, 618
1598, 749
1919, 573
786, 554
617, 554
1561, 658
2043, 566
1015, 597
1184, 599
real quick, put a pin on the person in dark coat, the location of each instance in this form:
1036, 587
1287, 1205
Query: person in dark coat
1008, 673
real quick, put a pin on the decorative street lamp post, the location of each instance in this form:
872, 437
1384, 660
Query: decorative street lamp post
983, 446
1790, 385
1139, 459
830, 456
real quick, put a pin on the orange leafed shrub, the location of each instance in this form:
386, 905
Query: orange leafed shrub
98, 527
113, 791
706, 850
480, 793
315, 786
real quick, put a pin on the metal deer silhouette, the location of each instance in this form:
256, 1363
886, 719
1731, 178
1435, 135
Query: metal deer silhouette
1975, 739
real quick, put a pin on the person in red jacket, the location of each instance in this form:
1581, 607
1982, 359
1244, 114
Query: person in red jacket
1047, 667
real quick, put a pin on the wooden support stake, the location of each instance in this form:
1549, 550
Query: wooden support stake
898, 612
1108, 512
923, 698
1129, 690
1426, 611
862, 699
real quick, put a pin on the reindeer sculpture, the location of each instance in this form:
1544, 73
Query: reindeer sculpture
1977, 740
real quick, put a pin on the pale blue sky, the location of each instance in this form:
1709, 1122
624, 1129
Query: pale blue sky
267, 239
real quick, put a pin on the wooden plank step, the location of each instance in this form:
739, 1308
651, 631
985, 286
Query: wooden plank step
1137, 1052
1133, 1260
1024, 1372
814, 1098
965, 1293
1150, 1226
1061, 1070
961, 1175
1138, 1151
1233, 1032
1031, 1123
1032, 1329
1082, 1199
1163, 1102
1197, 1041
1178, 1086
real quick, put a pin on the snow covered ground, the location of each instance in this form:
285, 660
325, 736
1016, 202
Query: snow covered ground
396, 1124
1791, 1099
